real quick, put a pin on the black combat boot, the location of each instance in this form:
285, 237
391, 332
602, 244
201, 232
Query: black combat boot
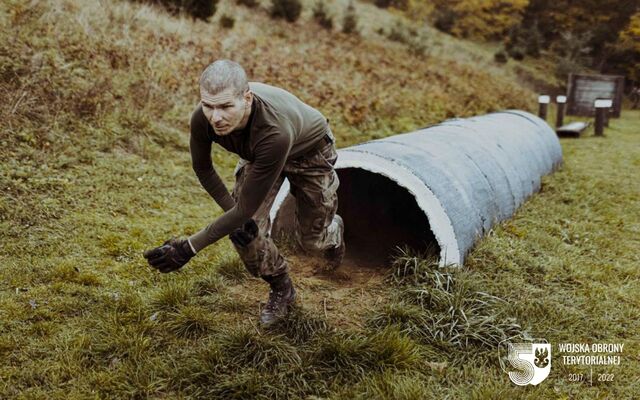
281, 296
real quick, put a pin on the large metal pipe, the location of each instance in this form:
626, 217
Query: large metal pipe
447, 184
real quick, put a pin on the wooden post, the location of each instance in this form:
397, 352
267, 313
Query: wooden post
561, 102
543, 102
599, 127
602, 108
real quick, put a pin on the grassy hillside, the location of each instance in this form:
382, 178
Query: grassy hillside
95, 168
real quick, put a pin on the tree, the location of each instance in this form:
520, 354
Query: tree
603, 20
625, 53
482, 19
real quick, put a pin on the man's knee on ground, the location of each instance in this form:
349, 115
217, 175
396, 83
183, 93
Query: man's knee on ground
312, 243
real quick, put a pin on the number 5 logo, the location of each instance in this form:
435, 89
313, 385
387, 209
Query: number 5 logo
530, 362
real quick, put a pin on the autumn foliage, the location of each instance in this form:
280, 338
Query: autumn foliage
483, 19
604, 32
627, 48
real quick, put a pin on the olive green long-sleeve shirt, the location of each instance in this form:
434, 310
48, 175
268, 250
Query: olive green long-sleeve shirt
280, 126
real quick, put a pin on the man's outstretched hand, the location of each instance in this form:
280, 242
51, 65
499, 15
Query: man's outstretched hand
241, 237
172, 255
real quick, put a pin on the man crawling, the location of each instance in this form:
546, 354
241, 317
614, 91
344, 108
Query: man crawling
277, 136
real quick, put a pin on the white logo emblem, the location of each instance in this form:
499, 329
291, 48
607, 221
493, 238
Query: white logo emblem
530, 362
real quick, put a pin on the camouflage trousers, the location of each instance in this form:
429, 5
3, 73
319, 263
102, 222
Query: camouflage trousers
314, 184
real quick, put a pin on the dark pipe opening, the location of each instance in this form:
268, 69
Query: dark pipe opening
379, 215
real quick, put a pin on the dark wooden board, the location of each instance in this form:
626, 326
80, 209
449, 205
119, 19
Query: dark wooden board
583, 90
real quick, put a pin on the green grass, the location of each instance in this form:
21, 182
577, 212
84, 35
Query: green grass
564, 268
95, 169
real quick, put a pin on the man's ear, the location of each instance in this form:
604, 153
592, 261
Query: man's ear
248, 96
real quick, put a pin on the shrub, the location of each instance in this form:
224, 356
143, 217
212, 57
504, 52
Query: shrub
288, 9
198, 9
523, 41
399, 4
575, 47
247, 3
566, 66
500, 57
416, 42
321, 15
445, 19
477, 19
535, 41
227, 21
398, 33
516, 52
418, 47
350, 21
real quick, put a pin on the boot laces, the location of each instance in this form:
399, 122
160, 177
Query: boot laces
275, 297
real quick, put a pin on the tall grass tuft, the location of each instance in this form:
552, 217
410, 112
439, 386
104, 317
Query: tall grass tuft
199, 367
171, 295
409, 266
118, 337
263, 352
351, 355
189, 321
409, 318
208, 285
231, 267
390, 385
213, 371
300, 326
443, 307
246, 384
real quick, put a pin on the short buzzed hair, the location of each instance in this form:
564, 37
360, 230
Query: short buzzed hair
223, 74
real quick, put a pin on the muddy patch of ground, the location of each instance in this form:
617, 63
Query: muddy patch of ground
344, 297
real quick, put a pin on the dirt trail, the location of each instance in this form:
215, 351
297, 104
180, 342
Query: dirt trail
344, 296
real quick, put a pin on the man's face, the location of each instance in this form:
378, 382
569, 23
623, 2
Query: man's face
224, 110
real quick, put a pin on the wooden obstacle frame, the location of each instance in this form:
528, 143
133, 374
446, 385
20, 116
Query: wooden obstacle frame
583, 90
